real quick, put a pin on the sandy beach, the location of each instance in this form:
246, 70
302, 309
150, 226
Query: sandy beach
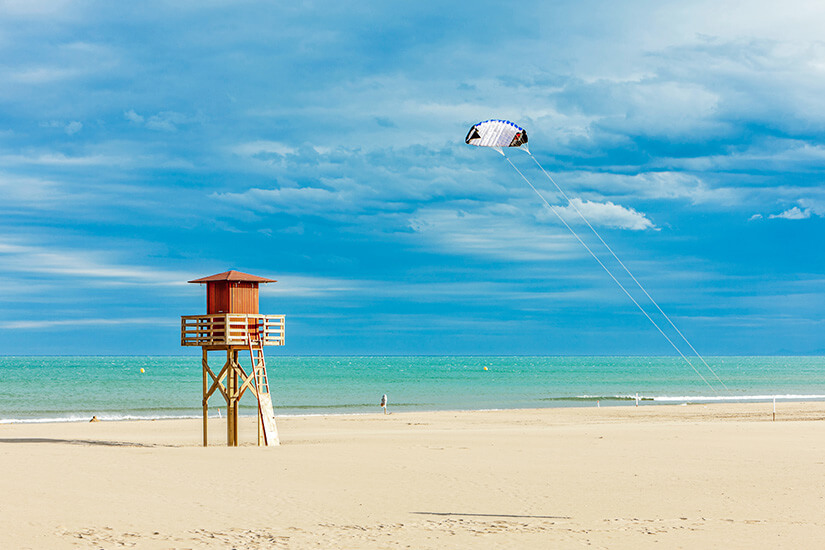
696, 476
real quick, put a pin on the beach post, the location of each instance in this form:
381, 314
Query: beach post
234, 324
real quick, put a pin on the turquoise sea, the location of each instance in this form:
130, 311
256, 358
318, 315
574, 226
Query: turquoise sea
37, 389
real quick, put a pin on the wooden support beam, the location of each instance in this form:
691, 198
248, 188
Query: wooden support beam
236, 411
217, 380
232, 398
205, 363
248, 382
230, 393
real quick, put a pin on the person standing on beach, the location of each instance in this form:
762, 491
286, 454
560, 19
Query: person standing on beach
384, 403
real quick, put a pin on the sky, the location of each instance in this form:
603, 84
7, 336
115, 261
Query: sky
322, 144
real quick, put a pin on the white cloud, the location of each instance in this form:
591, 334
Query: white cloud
654, 184
663, 109
113, 154
40, 260
30, 192
815, 206
255, 148
806, 209
794, 213
606, 214
31, 8
165, 121
512, 289
297, 200
132, 116
85, 322
768, 154
60, 159
73, 127
500, 231
293, 285
42, 75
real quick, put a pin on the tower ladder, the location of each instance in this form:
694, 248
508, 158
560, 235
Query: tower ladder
266, 413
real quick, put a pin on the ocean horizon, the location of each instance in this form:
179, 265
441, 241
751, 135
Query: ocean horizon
74, 388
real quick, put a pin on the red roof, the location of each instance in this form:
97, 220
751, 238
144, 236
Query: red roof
233, 275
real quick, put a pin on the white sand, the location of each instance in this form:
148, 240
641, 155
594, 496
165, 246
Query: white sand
721, 476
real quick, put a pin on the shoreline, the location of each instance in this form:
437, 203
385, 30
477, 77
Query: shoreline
584, 402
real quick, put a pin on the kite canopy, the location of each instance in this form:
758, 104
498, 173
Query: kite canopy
496, 133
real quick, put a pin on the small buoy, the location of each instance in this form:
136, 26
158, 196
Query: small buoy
142, 371
485, 368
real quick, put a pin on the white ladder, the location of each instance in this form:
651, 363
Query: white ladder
265, 410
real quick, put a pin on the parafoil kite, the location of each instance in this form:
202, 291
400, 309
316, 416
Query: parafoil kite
496, 133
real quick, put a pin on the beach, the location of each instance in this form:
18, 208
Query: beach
668, 476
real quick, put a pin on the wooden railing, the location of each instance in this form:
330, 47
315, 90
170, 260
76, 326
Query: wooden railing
231, 329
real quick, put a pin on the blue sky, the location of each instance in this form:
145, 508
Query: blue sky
321, 144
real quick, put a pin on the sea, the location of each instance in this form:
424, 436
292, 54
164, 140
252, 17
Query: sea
66, 389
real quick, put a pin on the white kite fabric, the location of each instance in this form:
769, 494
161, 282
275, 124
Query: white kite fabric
503, 133
496, 133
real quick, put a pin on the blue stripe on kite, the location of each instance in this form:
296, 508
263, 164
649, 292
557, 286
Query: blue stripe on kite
503, 121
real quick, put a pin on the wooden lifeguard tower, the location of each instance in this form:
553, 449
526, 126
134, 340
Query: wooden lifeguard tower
233, 324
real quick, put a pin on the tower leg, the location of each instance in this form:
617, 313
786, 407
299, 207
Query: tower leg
236, 409
204, 364
230, 399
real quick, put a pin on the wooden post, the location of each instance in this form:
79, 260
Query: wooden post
231, 377
204, 364
235, 410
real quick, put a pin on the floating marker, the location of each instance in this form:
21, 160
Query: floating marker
485, 368
142, 371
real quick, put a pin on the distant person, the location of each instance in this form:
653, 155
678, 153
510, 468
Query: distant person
384, 403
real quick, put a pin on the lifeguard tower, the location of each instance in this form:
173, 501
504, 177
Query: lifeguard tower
233, 324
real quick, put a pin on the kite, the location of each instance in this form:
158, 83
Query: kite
497, 133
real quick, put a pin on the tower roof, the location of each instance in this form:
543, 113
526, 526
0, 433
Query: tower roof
233, 275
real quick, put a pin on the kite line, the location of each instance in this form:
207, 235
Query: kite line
632, 299
621, 263
500, 134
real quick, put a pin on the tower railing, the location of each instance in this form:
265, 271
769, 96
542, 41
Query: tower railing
231, 329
